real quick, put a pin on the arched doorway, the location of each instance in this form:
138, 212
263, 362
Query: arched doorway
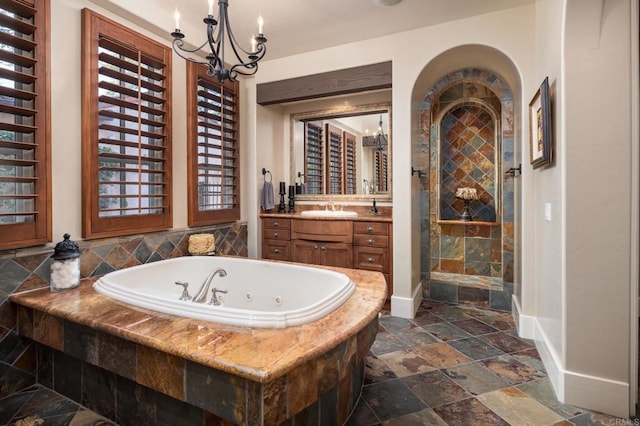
468, 138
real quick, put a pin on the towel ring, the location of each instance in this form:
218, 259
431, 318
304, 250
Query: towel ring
264, 173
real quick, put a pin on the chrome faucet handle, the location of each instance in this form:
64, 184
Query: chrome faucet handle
214, 296
185, 292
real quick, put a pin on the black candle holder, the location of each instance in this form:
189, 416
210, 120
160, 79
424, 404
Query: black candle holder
282, 207
292, 196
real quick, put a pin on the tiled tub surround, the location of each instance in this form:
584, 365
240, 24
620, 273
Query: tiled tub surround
244, 375
28, 269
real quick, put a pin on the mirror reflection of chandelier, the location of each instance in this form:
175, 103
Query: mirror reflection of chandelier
218, 33
380, 138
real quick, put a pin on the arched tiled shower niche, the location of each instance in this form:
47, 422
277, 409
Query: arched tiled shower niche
467, 141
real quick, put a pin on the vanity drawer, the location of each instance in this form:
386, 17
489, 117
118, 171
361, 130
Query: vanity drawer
375, 228
371, 258
276, 250
276, 234
278, 223
372, 240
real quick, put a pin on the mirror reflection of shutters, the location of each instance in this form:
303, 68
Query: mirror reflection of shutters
334, 159
382, 171
350, 171
314, 155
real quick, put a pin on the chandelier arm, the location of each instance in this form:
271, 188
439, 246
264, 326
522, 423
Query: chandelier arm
214, 47
234, 43
177, 43
251, 65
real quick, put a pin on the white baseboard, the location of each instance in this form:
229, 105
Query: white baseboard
580, 390
526, 324
406, 307
597, 394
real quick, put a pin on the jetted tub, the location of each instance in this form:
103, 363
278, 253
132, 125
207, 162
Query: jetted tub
260, 293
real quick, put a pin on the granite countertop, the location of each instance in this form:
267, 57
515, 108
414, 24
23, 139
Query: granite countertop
362, 217
232, 349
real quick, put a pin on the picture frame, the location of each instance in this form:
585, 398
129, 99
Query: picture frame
540, 126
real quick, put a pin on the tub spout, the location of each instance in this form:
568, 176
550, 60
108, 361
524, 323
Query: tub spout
201, 295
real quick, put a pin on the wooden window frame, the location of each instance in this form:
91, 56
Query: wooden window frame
95, 26
38, 231
196, 216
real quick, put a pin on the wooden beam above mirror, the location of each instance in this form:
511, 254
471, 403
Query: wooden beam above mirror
332, 83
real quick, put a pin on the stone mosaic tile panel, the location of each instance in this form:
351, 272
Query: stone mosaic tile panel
468, 159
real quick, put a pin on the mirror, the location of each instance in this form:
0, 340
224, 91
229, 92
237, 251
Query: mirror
343, 152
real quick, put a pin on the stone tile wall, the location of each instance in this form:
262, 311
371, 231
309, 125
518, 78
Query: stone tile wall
23, 270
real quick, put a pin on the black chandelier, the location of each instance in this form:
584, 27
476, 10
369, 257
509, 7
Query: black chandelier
380, 139
217, 32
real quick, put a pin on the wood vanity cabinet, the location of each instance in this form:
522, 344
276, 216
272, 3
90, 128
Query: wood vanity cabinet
372, 249
340, 243
322, 242
276, 239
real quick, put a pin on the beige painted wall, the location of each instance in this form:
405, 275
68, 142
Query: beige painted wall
598, 188
578, 288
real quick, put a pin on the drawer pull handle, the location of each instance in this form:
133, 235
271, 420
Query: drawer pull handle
369, 228
275, 235
370, 240
323, 248
370, 259
276, 224
276, 251
315, 247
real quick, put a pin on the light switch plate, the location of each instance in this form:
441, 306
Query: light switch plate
547, 212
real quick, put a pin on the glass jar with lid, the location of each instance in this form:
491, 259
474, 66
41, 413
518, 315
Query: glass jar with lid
65, 265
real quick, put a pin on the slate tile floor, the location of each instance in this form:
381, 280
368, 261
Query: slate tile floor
451, 365
459, 366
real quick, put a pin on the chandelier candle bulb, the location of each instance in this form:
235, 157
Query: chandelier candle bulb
253, 43
177, 16
260, 24
211, 7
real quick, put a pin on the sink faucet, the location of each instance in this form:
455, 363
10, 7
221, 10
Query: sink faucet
201, 295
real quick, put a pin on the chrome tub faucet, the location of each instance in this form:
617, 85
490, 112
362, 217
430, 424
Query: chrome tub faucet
201, 295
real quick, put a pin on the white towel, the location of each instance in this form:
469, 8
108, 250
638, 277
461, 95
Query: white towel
267, 199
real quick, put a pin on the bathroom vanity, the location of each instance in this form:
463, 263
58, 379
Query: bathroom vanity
361, 242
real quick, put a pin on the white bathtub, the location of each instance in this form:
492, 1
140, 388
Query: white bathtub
260, 294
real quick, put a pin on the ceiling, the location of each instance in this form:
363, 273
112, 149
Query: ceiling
297, 26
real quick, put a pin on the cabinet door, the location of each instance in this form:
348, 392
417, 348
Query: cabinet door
336, 254
305, 252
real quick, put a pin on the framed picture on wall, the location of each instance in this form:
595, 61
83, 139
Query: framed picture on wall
540, 126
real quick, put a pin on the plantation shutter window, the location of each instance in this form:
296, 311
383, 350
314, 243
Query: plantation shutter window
213, 155
25, 188
126, 130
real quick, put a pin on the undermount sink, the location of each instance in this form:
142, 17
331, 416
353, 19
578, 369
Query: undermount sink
329, 213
